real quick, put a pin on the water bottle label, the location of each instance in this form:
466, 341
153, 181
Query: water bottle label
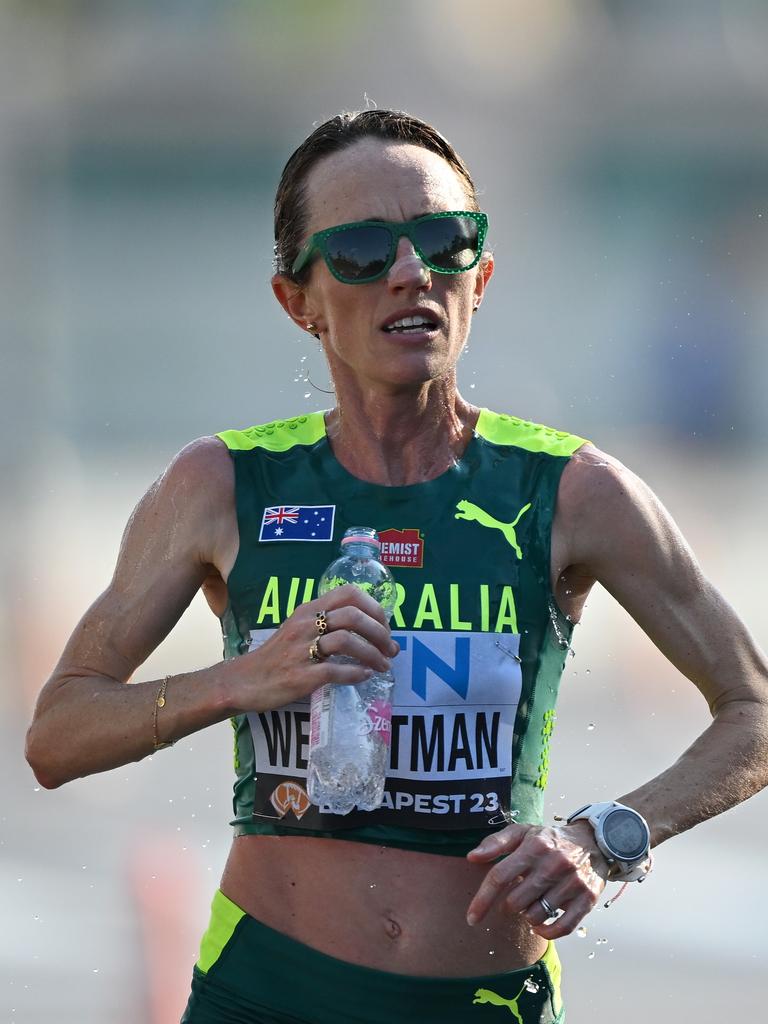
320, 716
380, 716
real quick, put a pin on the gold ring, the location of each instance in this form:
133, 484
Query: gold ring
321, 623
314, 654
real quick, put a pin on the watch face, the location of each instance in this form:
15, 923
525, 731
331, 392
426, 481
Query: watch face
625, 834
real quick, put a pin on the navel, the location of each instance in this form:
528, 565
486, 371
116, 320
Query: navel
392, 928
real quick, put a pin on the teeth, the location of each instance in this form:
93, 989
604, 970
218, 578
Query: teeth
409, 321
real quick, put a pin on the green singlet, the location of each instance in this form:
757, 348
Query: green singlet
483, 644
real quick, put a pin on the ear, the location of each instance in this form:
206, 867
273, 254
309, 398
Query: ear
293, 298
484, 275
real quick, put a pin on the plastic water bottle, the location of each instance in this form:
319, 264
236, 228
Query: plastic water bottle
351, 726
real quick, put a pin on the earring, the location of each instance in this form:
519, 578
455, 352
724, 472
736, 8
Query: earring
475, 309
311, 328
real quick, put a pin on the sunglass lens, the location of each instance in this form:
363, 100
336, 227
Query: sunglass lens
356, 254
448, 243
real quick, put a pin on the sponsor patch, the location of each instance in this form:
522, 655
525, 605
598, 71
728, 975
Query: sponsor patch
297, 522
290, 796
403, 548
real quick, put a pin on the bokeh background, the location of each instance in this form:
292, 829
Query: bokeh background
622, 153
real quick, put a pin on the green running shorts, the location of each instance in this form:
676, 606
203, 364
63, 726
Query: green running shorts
251, 974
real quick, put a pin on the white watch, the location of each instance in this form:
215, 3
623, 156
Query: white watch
622, 836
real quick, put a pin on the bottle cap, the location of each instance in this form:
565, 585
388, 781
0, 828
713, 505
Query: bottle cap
361, 536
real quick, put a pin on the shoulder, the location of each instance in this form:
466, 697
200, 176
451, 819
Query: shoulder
595, 483
195, 493
201, 464
183, 520
607, 513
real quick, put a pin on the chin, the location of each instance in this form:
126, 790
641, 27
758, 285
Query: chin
413, 381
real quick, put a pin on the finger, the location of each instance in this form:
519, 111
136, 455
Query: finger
558, 897
549, 871
569, 920
337, 673
357, 621
503, 842
560, 881
537, 913
348, 594
343, 643
503, 876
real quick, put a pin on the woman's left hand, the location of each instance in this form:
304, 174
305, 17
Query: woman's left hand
562, 865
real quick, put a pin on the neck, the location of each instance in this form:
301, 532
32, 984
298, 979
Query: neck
401, 437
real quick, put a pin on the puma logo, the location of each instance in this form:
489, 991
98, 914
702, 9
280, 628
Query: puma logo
484, 995
474, 513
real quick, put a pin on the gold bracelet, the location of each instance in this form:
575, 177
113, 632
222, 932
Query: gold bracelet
160, 703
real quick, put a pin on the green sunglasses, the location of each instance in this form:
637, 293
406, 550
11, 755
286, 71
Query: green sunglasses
363, 251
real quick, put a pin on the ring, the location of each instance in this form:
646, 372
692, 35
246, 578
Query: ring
314, 653
321, 623
549, 910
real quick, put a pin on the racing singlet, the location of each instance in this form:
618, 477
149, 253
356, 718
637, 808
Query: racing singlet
483, 644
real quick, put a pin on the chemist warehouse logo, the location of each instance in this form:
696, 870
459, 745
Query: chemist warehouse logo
402, 548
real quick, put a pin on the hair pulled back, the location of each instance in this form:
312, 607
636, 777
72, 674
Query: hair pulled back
330, 137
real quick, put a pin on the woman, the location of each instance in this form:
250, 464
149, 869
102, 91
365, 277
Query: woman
441, 906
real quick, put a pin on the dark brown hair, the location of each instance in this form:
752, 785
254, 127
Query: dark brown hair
333, 135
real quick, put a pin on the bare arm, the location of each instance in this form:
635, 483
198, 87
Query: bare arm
629, 542
613, 529
88, 720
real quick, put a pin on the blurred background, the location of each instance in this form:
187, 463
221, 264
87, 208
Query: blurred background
622, 153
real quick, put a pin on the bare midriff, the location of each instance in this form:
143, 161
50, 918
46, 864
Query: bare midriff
390, 909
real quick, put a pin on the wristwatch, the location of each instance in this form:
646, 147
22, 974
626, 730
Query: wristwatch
622, 836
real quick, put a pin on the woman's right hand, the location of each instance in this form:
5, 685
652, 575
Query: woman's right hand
281, 671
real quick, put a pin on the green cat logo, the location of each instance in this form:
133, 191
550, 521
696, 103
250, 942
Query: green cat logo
475, 514
484, 995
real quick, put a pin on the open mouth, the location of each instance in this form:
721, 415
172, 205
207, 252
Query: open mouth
411, 325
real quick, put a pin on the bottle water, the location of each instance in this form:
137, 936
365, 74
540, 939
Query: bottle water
351, 726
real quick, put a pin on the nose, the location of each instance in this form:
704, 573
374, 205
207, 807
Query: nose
408, 269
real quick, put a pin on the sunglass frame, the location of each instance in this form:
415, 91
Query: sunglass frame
397, 230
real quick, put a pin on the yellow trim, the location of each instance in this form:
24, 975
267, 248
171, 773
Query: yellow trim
278, 436
534, 437
551, 961
225, 916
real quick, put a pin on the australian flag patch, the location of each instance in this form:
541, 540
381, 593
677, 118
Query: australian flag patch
298, 522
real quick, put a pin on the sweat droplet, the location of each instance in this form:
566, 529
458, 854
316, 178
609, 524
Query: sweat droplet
531, 985
591, 726
591, 956
308, 394
581, 932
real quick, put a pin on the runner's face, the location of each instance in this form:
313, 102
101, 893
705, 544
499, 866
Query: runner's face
375, 180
